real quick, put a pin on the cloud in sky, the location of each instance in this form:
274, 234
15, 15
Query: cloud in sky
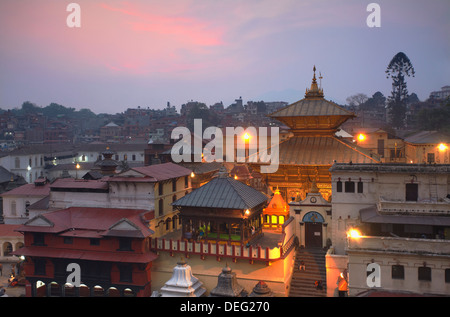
145, 53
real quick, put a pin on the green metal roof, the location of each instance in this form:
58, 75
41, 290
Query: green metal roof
223, 192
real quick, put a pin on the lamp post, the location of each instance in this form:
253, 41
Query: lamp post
77, 167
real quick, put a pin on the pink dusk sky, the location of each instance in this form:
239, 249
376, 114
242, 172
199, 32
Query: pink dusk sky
147, 53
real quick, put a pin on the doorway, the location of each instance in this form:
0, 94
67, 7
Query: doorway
412, 192
313, 235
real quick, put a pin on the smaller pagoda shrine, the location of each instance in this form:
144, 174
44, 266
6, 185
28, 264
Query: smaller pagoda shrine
227, 285
277, 212
223, 210
182, 283
261, 289
107, 165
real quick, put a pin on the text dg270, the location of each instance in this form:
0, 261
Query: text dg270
246, 306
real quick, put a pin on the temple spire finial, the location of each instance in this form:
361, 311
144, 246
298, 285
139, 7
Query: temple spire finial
314, 91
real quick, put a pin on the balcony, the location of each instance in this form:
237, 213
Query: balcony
435, 208
399, 245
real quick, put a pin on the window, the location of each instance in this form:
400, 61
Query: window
174, 222
349, 187
39, 267
17, 162
396, 153
380, 148
424, 273
412, 192
430, 158
447, 275
174, 199
339, 186
360, 187
168, 224
38, 238
13, 208
160, 207
160, 189
398, 272
7, 249
94, 241
186, 182
174, 185
126, 273
68, 240
133, 157
125, 244
125, 157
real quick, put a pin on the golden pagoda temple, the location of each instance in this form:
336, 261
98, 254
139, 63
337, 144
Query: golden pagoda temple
313, 148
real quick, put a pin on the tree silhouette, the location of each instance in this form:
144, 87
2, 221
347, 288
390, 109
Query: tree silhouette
399, 67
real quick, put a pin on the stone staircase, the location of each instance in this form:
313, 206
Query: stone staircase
302, 283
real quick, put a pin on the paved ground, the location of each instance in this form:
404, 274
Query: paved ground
17, 291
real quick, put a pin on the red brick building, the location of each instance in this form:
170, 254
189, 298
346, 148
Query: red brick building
111, 247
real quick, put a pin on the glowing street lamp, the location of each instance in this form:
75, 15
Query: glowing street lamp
76, 171
442, 147
246, 137
354, 233
361, 137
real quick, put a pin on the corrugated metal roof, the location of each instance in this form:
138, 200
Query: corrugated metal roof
7, 230
318, 151
29, 190
87, 218
428, 137
79, 184
311, 107
163, 171
223, 192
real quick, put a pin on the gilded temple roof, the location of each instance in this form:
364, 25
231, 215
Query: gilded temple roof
311, 107
324, 150
313, 112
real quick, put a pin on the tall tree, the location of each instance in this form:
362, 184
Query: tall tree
399, 67
357, 100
